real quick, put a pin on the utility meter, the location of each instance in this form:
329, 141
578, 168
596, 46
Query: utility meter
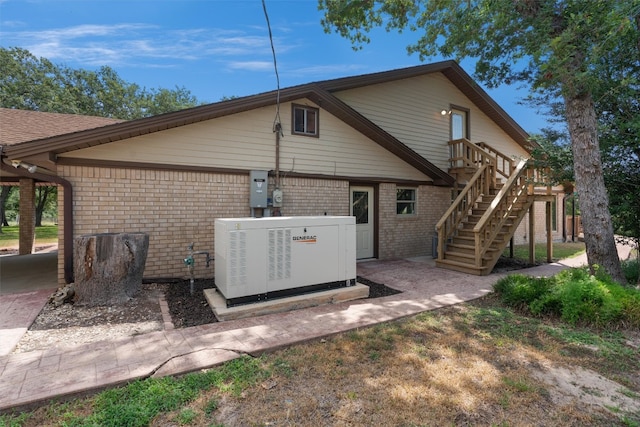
277, 198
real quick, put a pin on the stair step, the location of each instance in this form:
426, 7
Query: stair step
465, 240
463, 246
469, 258
460, 257
462, 267
460, 248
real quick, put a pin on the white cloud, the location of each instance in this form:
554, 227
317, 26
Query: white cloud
250, 65
136, 44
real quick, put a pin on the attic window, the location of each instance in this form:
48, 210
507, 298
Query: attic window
305, 120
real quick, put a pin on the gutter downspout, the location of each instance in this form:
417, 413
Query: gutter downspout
68, 211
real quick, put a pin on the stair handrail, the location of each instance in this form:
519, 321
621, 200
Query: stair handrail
472, 156
504, 163
517, 189
459, 209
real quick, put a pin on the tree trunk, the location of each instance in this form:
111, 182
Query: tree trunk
4, 195
42, 197
108, 267
594, 201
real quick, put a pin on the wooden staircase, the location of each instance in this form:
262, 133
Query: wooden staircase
478, 226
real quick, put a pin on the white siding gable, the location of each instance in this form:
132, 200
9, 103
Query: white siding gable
246, 141
410, 109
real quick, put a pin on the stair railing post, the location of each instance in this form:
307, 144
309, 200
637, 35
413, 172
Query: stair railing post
478, 249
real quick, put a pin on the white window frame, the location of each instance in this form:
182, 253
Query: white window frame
305, 109
412, 203
459, 122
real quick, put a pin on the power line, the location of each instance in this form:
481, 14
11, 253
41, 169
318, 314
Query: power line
276, 122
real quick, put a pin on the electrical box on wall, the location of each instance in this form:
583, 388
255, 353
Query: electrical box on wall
277, 198
258, 195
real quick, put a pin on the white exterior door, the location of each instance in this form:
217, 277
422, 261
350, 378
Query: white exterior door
459, 124
362, 208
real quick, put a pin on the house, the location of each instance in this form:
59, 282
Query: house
392, 148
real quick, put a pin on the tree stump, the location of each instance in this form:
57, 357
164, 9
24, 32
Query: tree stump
108, 267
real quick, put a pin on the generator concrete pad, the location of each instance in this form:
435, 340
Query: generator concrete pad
222, 312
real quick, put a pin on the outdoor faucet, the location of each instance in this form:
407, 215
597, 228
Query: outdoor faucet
190, 262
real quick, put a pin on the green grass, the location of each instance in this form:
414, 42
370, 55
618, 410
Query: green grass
560, 251
44, 235
137, 403
483, 329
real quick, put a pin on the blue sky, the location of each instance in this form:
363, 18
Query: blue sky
214, 48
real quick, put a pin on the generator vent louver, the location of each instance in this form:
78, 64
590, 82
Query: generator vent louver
279, 254
238, 258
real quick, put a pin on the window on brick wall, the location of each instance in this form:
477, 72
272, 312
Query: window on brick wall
406, 201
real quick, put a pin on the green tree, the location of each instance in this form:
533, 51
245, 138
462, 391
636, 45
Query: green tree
556, 46
30, 83
5, 192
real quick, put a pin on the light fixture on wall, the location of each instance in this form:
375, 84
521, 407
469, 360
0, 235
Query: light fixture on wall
445, 112
17, 163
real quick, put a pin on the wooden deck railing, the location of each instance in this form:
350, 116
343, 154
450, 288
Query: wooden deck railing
507, 208
465, 154
504, 163
459, 209
510, 203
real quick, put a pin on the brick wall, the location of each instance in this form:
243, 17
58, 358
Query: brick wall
176, 208
404, 236
27, 210
61, 242
307, 196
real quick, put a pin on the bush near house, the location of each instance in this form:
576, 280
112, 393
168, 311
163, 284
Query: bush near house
575, 296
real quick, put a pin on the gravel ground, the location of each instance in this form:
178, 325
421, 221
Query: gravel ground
71, 325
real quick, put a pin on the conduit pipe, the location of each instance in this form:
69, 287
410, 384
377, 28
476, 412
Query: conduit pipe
278, 129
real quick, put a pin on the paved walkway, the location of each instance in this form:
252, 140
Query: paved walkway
38, 376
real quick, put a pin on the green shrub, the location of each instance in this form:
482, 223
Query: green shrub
549, 304
631, 270
518, 290
588, 301
630, 303
575, 296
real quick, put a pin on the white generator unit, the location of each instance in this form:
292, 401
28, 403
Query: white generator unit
263, 258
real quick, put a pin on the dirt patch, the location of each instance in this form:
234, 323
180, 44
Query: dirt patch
585, 386
505, 264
